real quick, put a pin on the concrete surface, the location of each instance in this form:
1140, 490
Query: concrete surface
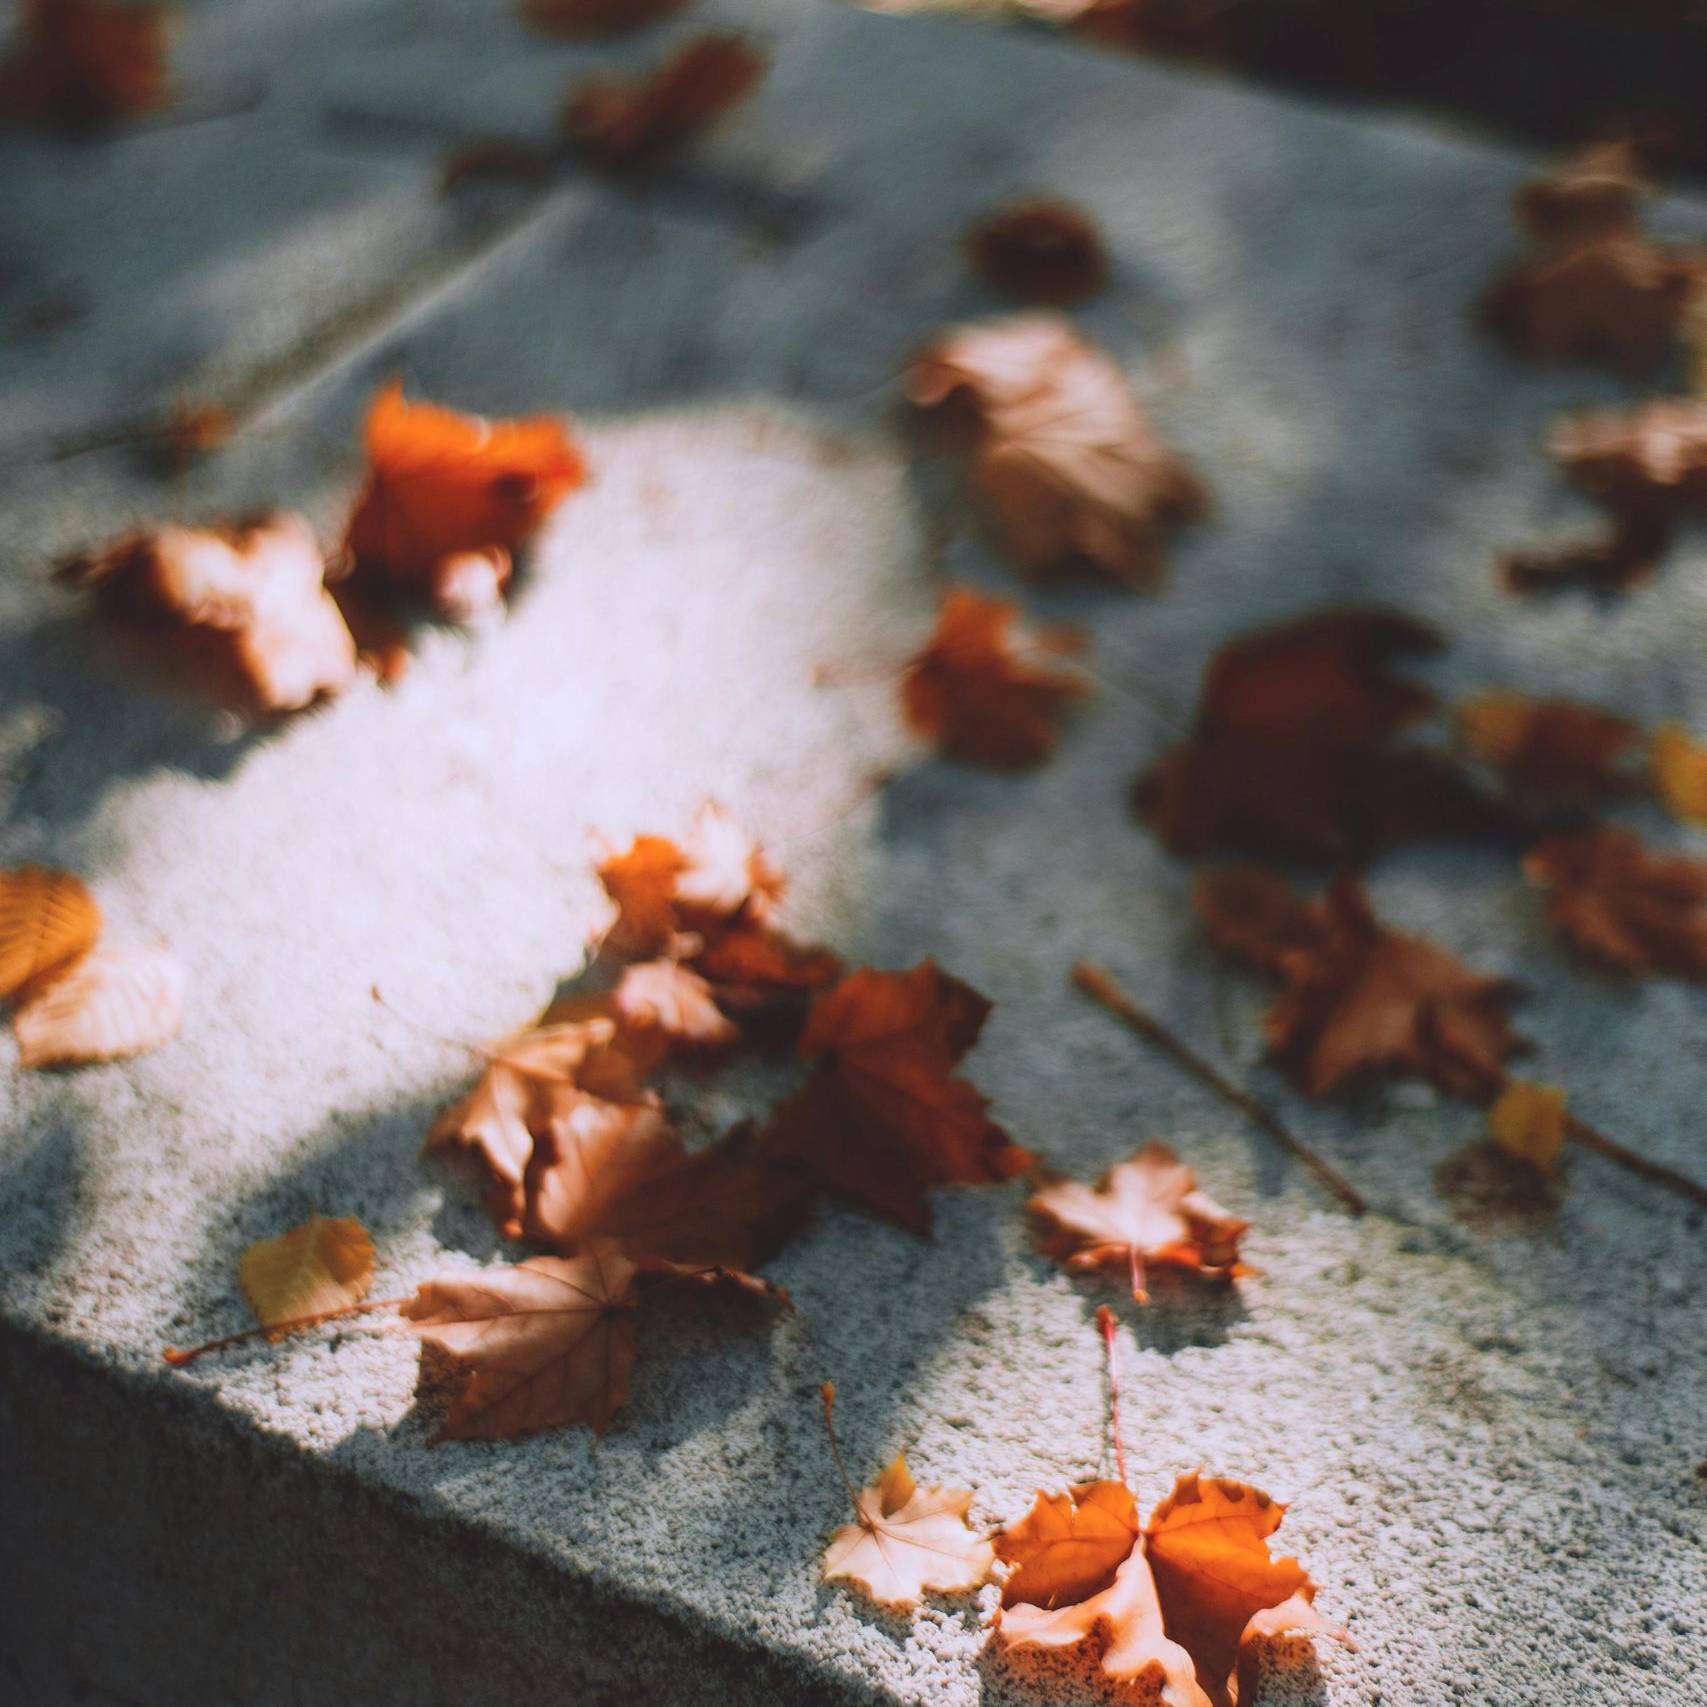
1488, 1441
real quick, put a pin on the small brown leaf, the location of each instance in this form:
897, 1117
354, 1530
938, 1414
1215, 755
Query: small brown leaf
1630, 910
1528, 1121
112, 1002
1040, 250
622, 122
909, 1539
1073, 474
664, 997
48, 919
1552, 749
547, 1342
323, 1265
979, 688
1680, 773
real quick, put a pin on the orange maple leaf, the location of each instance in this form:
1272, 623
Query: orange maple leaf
1069, 1545
1072, 473
620, 121
1291, 755
882, 1120
979, 688
1145, 1212
1359, 998
85, 63
48, 920
547, 1342
1181, 1606
253, 597
448, 498
1630, 910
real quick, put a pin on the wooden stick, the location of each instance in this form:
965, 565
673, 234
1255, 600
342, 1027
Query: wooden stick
1101, 986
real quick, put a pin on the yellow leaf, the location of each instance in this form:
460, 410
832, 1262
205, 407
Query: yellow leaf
47, 919
325, 1264
1528, 1121
1680, 773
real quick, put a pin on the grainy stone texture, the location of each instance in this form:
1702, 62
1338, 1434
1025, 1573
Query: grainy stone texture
1488, 1440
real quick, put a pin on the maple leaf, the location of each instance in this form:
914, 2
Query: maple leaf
1360, 998
255, 594
547, 1342
1598, 289
882, 1120
1651, 458
1069, 1545
594, 17
1557, 749
1145, 1212
1680, 773
324, 1265
765, 980
1041, 250
532, 1079
666, 998
905, 1539
1186, 1602
975, 690
1072, 473
621, 122
86, 63
1290, 754
448, 497
1623, 907
1528, 1121
48, 919
662, 890
110, 1003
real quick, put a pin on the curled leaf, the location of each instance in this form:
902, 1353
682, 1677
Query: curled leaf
323, 1265
1071, 471
48, 919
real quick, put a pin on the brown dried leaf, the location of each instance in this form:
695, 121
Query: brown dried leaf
85, 63
111, 1003
1555, 749
978, 688
1680, 773
47, 919
1528, 1121
664, 997
1623, 907
622, 122
547, 1342
254, 594
1361, 999
1040, 250
323, 1265
1072, 472
909, 1539
1145, 1212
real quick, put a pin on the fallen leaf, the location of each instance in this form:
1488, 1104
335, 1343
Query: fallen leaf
664, 997
48, 919
547, 1342
111, 1003
1680, 772
1553, 749
1597, 190
621, 121
980, 690
1291, 754
255, 595
1360, 998
86, 63
1649, 459
1072, 473
325, 1264
1188, 1600
908, 1539
764, 980
1528, 1121
1040, 250
1623, 907
881, 1121
1623, 556
1146, 1212
448, 497
595, 17
1069, 1545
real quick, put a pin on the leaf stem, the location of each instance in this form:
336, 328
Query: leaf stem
1101, 986
1592, 1138
827, 1392
1105, 1321
178, 1358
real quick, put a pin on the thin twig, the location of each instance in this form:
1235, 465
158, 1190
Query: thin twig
1592, 1138
827, 1392
1105, 1321
178, 1358
1101, 985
